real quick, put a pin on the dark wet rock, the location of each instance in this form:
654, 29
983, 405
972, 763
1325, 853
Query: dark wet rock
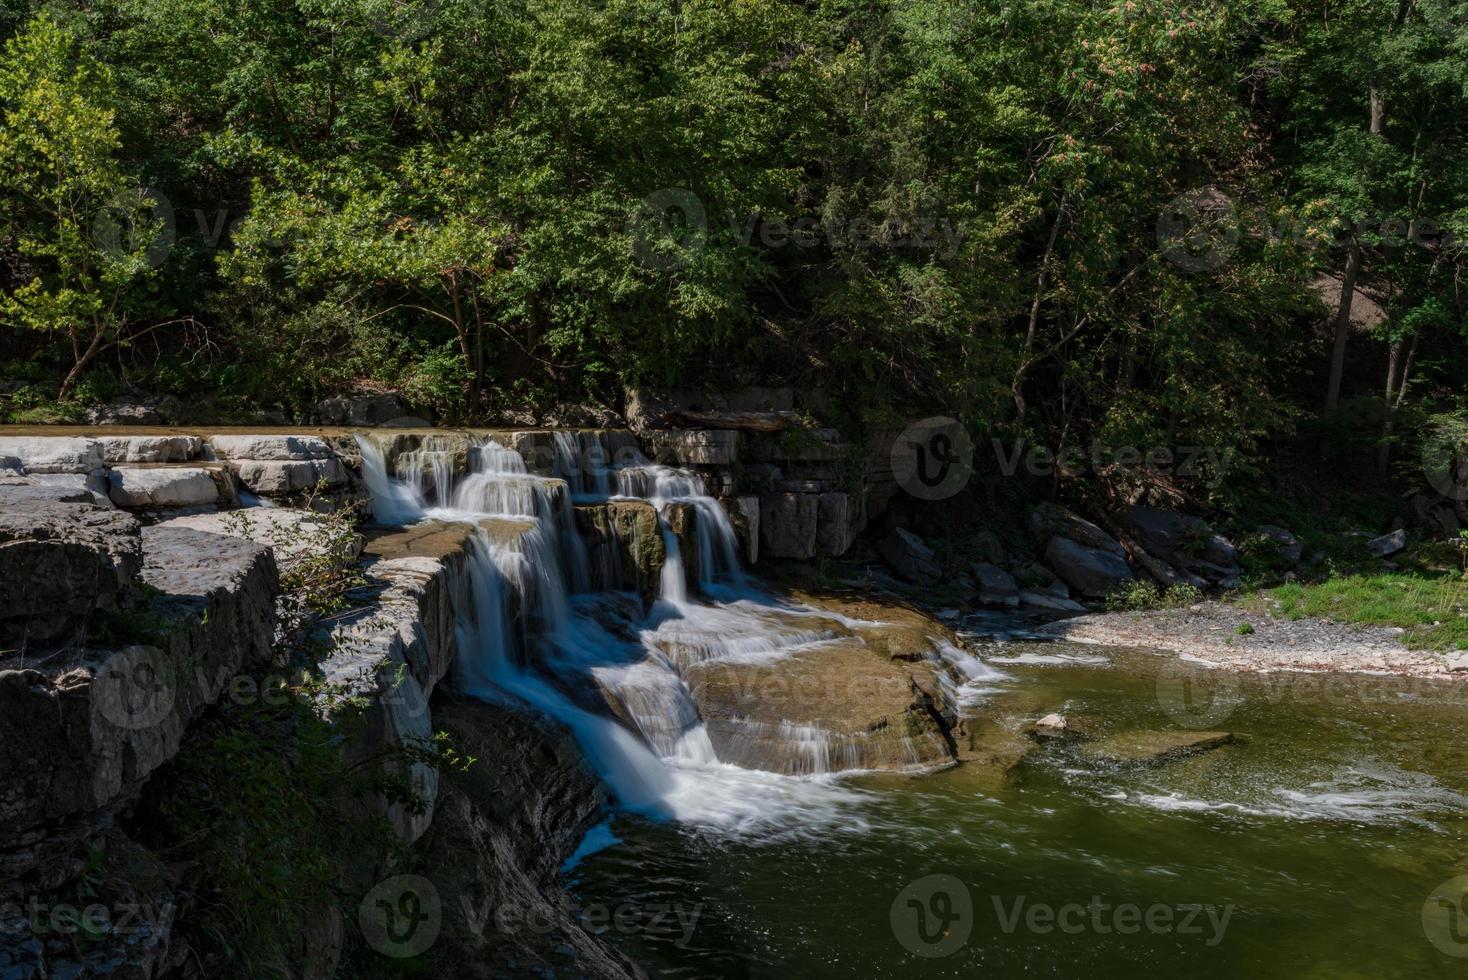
788, 525
1044, 599
1053, 521
910, 557
624, 545
1091, 571
378, 409
143, 410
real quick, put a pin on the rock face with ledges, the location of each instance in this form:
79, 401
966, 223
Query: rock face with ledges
150, 449
275, 448
59, 563
82, 729
53, 455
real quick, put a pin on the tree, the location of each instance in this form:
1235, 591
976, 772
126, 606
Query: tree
87, 239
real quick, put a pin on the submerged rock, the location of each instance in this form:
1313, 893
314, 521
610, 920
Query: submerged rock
1154, 747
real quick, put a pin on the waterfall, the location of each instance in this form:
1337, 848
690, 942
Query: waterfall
530, 632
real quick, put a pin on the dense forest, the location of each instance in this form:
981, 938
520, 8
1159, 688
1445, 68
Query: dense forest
1231, 225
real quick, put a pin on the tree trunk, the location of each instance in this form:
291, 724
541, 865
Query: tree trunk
1342, 328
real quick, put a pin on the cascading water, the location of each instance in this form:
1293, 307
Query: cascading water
575, 649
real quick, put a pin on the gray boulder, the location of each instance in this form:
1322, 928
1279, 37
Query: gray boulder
1388, 544
1177, 537
1051, 520
910, 557
1091, 571
59, 563
1289, 547
1041, 599
996, 587
162, 486
379, 409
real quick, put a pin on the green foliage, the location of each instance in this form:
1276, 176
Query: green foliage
1140, 594
1431, 607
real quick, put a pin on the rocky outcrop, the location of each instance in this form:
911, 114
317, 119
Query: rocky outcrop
624, 546
82, 729
59, 564
788, 524
169, 487
503, 829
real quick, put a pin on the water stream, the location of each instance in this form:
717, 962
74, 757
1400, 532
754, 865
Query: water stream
1306, 849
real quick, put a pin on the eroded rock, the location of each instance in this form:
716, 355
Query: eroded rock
910, 557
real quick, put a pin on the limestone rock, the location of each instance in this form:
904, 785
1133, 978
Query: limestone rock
624, 546
273, 448
279, 479
1180, 539
788, 524
51, 454
910, 557
162, 486
836, 524
379, 409
693, 447
1052, 726
150, 449
744, 514
59, 563
1044, 599
1092, 571
146, 410
1142, 748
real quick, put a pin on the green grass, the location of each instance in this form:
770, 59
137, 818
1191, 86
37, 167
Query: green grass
1432, 608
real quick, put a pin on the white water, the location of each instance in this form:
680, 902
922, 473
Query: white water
658, 759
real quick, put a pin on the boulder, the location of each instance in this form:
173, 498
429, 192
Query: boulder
986, 545
910, 557
996, 587
1177, 537
51, 454
278, 479
1287, 545
744, 515
150, 449
1051, 520
1091, 571
1388, 544
162, 486
274, 448
1052, 726
624, 546
18, 491
788, 524
59, 563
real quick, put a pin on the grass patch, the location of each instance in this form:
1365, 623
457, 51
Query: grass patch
1432, 608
